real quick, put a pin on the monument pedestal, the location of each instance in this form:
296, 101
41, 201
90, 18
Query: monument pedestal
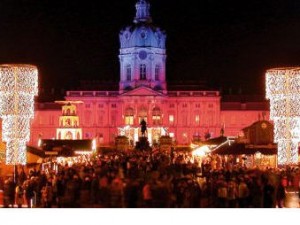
142, 144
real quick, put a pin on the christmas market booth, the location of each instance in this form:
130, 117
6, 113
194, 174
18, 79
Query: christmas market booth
254, 147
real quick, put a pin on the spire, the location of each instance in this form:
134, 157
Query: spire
142, 12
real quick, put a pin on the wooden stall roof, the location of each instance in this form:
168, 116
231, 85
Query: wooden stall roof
242, 148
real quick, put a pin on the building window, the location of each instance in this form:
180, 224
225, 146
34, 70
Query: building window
210, 105
101, 140
184, 105
129, 115
184, 118
128, 73
197, 119
86, 106
172, 105
100, 118
142, 114
113, 119
114, 105
156, 116
185, 137
142, 72
100, 106
210, 118
142, 118
87, 117
68, 112
69, 135
68, 122
197, 105
157, 72
171, 119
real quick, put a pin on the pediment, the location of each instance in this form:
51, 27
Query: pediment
142, 91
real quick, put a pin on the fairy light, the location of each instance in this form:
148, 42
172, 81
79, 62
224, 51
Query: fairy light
18, 86
283, 90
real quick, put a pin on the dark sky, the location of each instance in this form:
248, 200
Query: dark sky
230, 43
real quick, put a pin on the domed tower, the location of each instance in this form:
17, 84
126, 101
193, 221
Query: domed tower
142, 53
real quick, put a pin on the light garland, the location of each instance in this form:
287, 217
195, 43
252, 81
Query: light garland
283, 90
18, 86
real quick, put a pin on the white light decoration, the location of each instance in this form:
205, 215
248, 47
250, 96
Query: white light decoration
201, 151
18, 86
283, 90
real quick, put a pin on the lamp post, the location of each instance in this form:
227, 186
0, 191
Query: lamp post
18, 86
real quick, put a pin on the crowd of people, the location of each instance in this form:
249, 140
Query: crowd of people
138, 179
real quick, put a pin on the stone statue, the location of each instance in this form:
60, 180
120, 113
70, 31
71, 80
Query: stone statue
143, 127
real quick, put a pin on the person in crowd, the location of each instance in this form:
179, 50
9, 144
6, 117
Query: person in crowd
147, 195
232, 193
29, 188
47, 195
243, 193
19, 195
144, 179
8, 193
268, 195
280, 195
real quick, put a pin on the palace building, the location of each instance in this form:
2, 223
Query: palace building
143, 93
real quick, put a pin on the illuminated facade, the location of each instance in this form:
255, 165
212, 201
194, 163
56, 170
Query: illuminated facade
143, 94
283, 90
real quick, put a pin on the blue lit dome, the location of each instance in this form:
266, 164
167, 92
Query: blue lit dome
143, 33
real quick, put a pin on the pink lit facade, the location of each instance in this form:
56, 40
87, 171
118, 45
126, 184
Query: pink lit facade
143, 94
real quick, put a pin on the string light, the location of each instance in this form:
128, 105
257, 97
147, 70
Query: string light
18, 86
283, 90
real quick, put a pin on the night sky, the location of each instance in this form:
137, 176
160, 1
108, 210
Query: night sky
229, 43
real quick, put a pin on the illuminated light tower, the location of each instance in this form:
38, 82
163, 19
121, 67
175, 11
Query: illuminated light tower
283, 90
18, 86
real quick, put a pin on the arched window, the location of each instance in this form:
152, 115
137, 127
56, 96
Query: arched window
156, 116
113, 117
87, 117
171, 119
197, 118
69, 135
68, 112
157, 72
142, 113
142, 72
68, 122
128, 73
184, 118
129, 115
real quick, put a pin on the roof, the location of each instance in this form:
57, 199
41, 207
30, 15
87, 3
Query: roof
35, 151
50, 144
47, 106
215, 141
263, 105
242, 148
